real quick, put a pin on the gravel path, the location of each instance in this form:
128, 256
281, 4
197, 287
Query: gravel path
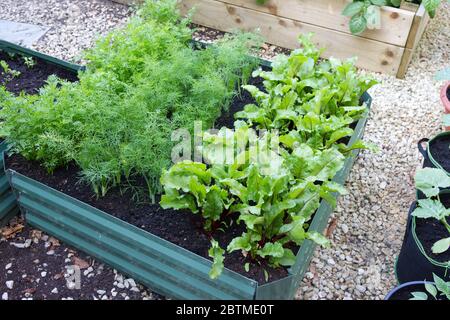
368, 225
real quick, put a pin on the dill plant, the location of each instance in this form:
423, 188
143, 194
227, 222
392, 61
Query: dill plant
141, 82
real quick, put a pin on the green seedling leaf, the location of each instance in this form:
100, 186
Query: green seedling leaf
429, 180
429, 208
358, 24
441, 246
353, 8
431, 289
217, 254
373, 17
419, 296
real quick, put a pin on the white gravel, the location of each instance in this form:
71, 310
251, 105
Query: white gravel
370, 222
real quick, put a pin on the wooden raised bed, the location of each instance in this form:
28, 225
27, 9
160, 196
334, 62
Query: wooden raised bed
387, 50
159, 264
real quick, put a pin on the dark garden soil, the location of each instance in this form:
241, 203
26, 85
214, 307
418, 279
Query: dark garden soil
30, 78
39, 270
440, 151
405, 292
179, 227
431, 230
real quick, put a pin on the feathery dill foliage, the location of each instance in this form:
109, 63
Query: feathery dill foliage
141, 82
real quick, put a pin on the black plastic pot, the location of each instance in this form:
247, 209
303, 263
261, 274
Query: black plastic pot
413, 264
398, 293
428, 160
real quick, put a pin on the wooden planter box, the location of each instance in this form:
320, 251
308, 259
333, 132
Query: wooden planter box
387, 50
164, 267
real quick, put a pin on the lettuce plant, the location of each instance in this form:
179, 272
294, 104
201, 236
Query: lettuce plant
430, 181
307, 100
274, 193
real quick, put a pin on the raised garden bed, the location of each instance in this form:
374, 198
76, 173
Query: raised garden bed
387, 50
165, 267
29, 80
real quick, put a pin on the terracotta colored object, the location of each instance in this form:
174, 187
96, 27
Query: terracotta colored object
445, 99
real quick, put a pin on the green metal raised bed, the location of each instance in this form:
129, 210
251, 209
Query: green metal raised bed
8, 207
159, 264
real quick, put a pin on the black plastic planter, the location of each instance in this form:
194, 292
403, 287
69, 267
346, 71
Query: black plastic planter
413, 263
431, 144
401, 292
159, 264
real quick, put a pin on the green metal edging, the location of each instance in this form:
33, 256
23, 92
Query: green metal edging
155, 262
14, 48
8, 205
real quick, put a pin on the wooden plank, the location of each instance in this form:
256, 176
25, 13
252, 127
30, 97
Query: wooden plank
405, 5
406, 60
395, 23
420, 22
373, 55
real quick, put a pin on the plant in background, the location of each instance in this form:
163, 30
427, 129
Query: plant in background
7, 72
430, 181
29, 62
437, 290
365, 14
308, 100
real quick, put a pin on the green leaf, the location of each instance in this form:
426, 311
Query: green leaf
247, 267
318, 238
213, 205
339, 134
358, 24
353, 8
373, 17
288, 259
240, 243
429, 208
431, 289
429, 180
431, 6
217, 253
441, 285
419, 296
379, 3
271, 250
441, 246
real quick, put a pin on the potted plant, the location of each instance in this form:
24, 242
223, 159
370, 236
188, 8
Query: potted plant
426, 246
421, 290
444, 75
